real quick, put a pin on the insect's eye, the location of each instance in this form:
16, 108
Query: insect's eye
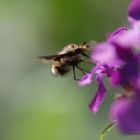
73, 46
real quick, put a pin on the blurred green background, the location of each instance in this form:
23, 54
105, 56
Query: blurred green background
35, 105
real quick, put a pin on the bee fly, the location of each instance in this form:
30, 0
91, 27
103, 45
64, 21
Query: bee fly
68, 58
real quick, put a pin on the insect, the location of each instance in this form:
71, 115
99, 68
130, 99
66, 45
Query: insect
68, 58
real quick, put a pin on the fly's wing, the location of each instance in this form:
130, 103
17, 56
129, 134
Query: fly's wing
48, 59
53, 59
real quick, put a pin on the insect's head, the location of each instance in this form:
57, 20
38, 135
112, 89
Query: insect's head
89, 45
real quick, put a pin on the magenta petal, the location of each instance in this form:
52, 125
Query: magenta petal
105, 53
99, 97
134, 10
115, 78
127, 113
117, 33
86, 80
131, 37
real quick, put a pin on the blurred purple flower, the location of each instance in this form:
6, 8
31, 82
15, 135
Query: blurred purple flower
100, 95
127, 114
105, 54
131, 38
116, 34
86, 79
134, 10
122, 60
118, 58
99, 71
126, 110
129, 70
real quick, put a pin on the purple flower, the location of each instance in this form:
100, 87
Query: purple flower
131, 38
99, 71
127, 114
116, 34
123, 61
134, 10
118, 59
86, 79
128, 73
99, 97
105, 54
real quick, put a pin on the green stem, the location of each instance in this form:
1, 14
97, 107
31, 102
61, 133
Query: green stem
107, 129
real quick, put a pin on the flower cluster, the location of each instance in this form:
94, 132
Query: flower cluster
118, 59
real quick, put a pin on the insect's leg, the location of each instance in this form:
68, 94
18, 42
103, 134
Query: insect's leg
107, 129
82, 70
74, 74
87, 61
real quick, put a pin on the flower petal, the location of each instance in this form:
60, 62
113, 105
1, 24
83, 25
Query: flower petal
134, 10
127, 113
131, 38
105, 53
115, 77
99, 97
117, 33
86, 80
